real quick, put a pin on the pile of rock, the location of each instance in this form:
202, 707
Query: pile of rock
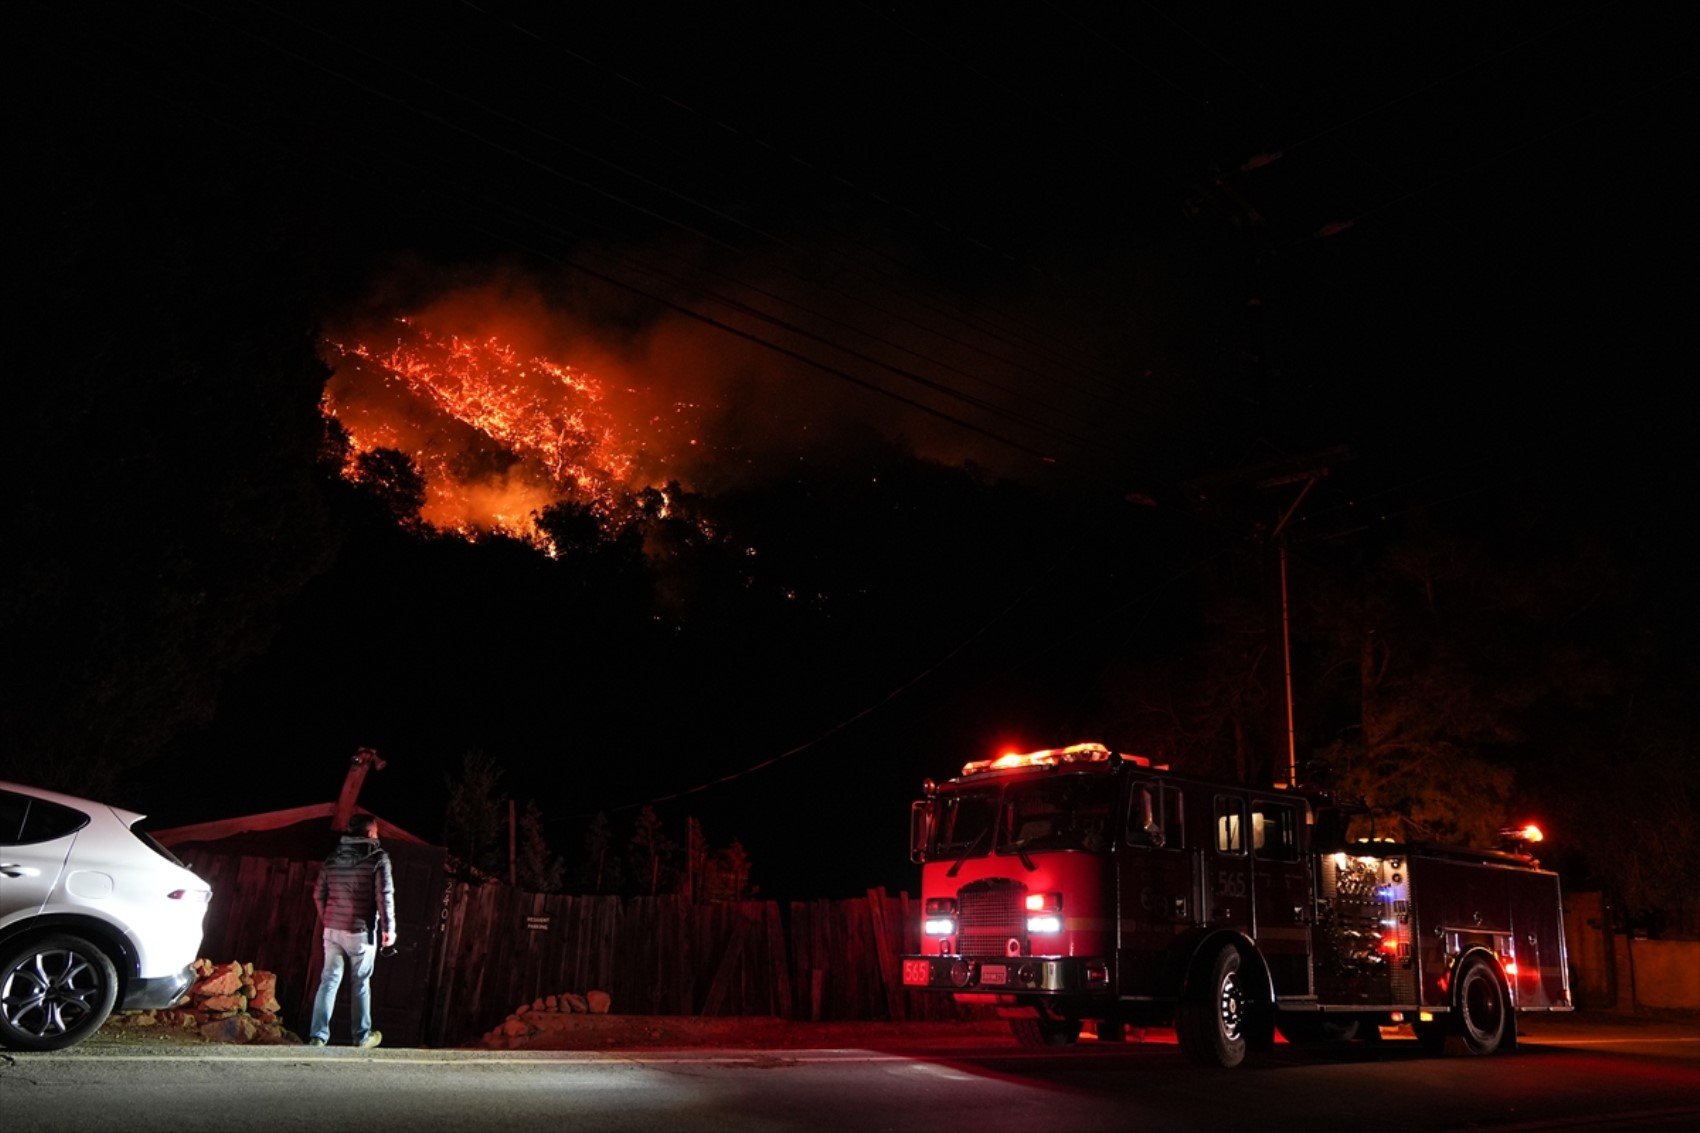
540, 1016
228, 1003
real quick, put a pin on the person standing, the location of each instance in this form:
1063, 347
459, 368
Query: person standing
355, 897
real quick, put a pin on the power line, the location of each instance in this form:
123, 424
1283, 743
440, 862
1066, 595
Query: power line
553, 171
813, 363
756, 140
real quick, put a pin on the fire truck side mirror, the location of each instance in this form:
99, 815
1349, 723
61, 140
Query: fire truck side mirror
919, 812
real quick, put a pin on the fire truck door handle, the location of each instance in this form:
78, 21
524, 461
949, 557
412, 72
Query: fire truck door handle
11, 870
1299, 913
1180, 906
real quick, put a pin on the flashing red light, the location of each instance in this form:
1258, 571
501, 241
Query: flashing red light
1050, 757
1528, 832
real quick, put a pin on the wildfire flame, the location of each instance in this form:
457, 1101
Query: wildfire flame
497, 434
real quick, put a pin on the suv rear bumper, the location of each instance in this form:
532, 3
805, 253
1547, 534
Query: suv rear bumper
159, 991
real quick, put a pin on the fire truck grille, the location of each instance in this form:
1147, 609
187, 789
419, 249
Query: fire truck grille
990, 918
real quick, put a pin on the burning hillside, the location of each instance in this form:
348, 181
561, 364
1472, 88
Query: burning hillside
497, 433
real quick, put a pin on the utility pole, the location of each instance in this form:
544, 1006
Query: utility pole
1278, 536
1218, 196
1306, 472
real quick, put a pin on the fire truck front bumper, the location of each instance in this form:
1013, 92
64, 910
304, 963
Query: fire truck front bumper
1035, 975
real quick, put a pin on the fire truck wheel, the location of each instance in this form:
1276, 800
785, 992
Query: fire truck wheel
1212, 1019
1484, 1011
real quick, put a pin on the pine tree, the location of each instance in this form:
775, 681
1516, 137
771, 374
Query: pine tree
535, 867
729, 874
652, 854
601, 870
474, 819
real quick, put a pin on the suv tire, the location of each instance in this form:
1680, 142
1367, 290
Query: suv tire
55, 991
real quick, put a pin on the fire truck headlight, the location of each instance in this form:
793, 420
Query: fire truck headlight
1044, 912
939, 926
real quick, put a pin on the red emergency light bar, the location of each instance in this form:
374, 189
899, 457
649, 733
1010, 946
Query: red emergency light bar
1052, 757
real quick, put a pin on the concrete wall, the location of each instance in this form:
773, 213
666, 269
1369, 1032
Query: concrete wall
1616, 971
1588, 940
1658, 973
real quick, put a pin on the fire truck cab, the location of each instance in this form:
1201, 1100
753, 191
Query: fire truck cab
1077, 884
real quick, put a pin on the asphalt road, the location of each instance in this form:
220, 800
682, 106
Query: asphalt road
1568, 1075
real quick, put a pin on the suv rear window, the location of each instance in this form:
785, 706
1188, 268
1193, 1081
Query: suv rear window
156, 846
25, 821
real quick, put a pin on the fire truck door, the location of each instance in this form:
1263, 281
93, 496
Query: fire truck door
1281, 903
1227, 865
1542, 976
1156, 891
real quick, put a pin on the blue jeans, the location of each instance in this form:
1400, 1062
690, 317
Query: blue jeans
357, 951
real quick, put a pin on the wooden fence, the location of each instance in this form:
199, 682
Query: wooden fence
494, 947
820, 960
262, 911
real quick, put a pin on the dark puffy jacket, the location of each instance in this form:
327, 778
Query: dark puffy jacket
355, 887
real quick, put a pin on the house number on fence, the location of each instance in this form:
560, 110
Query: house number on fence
538, 924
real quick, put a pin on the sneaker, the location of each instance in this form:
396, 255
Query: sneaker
315, 1042
372, 1039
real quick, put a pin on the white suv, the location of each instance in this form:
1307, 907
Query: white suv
93, 915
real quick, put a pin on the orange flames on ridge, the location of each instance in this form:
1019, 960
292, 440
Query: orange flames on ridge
497, 434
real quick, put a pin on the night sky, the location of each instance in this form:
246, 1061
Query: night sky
957, 335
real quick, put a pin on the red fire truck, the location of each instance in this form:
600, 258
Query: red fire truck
1077, 884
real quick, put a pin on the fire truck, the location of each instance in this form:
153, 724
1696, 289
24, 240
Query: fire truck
1078, 885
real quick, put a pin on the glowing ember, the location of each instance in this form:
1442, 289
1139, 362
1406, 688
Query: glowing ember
498, 436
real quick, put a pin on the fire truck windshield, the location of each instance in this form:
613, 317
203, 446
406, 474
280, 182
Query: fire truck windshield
1052, 812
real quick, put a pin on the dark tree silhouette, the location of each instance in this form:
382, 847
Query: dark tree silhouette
475, 817
536, 868
601, 870
651, 855
391, 480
